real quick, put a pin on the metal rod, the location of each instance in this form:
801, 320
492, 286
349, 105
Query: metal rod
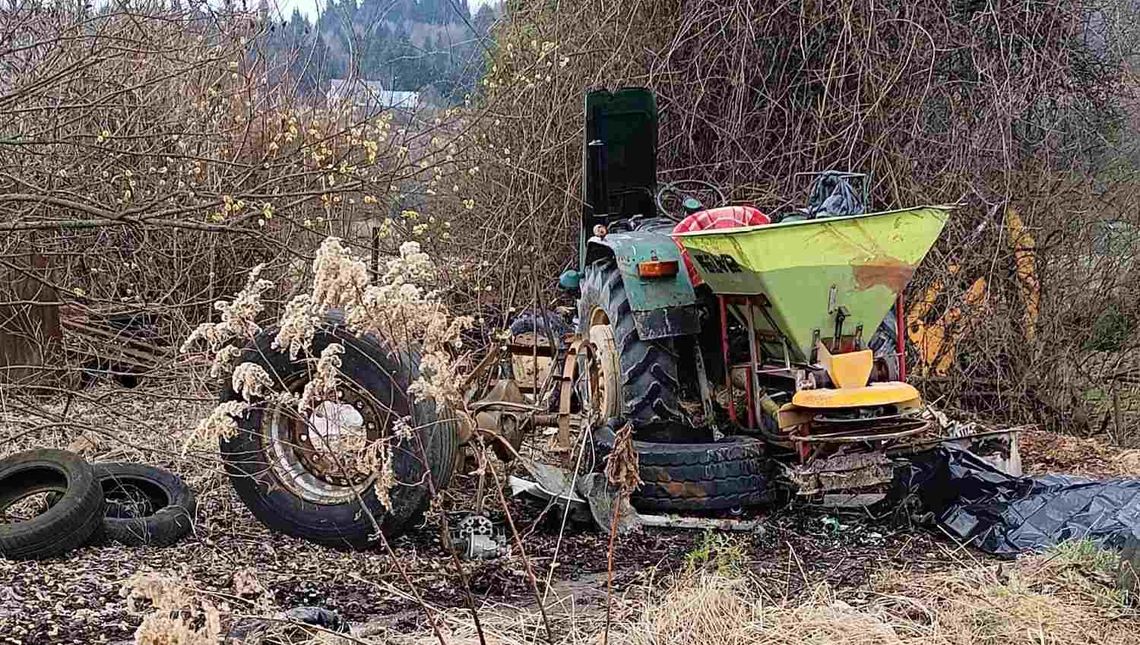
836, 343
753, 384
772, 323
770, 370
706, 390
900, 338
727, 365
375, 250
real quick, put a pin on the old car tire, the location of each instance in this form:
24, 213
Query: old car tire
385, 375
143, 505
648, 367
68, 522
731, 473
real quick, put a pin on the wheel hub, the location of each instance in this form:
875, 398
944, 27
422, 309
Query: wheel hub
315, 456
605, 372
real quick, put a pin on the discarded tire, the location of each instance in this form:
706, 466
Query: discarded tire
276, 476
731, 473
54, 528
648, 367
143, 505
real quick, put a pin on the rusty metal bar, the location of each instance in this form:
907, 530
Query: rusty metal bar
727, 364
900, 336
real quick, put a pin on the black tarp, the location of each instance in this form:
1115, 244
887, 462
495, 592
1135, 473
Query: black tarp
1006, 516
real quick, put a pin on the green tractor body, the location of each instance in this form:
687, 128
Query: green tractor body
619, 184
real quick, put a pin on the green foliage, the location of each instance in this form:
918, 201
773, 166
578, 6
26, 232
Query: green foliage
1087, 555
1097, 571
1110, 331
721, 553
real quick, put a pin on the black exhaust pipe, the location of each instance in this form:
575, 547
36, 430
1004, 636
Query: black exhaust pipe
597, 187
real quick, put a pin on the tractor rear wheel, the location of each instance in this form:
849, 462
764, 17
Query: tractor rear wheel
648, 368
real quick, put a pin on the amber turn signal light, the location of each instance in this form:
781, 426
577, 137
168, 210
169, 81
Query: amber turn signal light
657, 268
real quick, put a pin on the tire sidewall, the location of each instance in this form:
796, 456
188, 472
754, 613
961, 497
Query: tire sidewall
69, 523
166, 525
730, 473
384, 374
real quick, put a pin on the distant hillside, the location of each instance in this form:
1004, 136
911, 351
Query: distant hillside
426, 45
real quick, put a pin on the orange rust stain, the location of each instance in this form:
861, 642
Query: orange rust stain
886, 271
684, 489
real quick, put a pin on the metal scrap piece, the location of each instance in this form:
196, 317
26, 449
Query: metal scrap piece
702, 523
843, 472
550, 484
604, 501
475, 537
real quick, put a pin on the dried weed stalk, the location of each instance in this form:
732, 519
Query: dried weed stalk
622, 473
401, 308
178, 615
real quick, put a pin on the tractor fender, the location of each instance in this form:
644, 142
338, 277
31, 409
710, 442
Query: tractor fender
662, 307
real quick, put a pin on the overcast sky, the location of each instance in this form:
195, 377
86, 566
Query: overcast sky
310, 7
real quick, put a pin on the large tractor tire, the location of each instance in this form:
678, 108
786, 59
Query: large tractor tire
648, 368
279, 470
734, 472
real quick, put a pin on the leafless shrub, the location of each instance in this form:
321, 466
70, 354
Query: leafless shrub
148, 162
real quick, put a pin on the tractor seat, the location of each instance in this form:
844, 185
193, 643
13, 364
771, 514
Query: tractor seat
721, 217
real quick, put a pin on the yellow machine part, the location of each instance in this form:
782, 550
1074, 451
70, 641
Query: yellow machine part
856, 397
1024, 249
937, 340
847, 370
798, 412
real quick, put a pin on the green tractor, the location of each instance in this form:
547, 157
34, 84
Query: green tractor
731, 339
652, 270
741, 347
623, 231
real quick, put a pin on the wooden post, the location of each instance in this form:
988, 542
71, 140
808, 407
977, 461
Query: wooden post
30, 333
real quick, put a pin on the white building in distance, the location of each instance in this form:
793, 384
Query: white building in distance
370, 97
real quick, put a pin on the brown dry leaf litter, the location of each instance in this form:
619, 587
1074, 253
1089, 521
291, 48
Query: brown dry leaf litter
1045, 452
809, 568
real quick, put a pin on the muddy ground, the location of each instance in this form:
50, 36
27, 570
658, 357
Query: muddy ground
78, 599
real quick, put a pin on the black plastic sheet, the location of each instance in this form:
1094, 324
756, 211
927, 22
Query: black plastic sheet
1006, 516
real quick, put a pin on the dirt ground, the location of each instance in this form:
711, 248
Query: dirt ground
247, 569
77, 599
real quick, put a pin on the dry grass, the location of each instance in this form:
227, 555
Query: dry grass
1060, 598
1065, 597
1049, 452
